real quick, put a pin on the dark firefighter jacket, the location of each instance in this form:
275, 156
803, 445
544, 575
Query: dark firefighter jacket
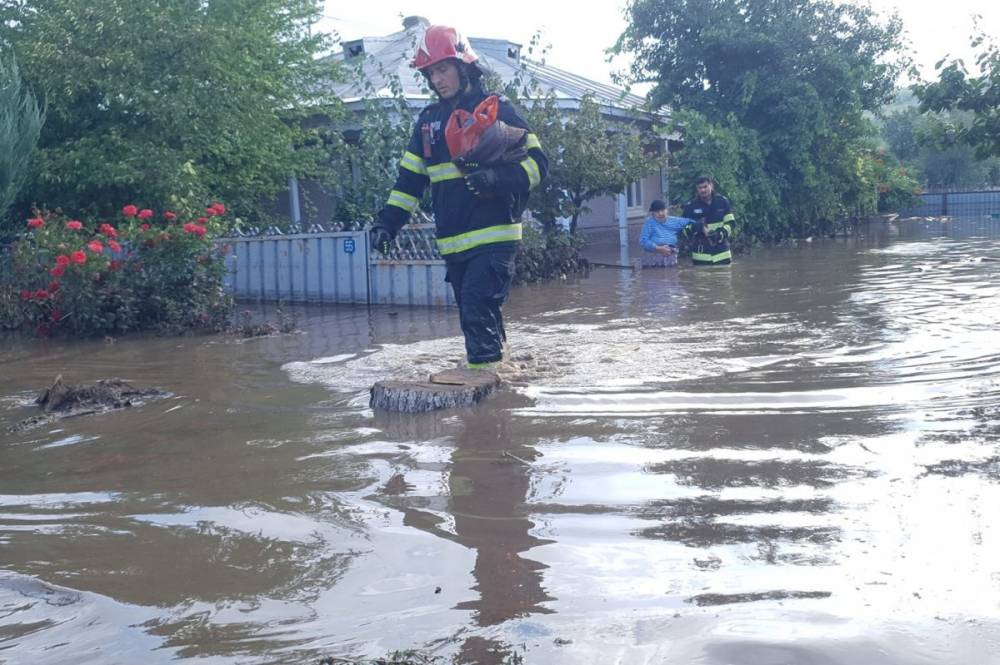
719, 219
467, 224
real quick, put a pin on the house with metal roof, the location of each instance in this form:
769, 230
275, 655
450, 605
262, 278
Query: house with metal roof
385, 61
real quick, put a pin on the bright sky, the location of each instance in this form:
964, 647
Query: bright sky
579, 34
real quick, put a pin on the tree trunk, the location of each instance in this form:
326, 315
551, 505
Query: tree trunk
444, 390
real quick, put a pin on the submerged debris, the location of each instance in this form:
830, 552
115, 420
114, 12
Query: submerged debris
246, 328
62, 400
105, 394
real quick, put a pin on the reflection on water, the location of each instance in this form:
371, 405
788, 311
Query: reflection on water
792, 460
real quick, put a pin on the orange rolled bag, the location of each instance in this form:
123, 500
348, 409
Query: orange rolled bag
477, 140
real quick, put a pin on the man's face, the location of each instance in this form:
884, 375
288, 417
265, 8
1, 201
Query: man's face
660, 215
705, 190
444, 78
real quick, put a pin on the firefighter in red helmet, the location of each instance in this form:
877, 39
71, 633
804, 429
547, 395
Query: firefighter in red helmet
477, 209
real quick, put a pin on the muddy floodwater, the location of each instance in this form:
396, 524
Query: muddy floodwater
795, 460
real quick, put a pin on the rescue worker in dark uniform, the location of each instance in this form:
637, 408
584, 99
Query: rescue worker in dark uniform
708, 235
477, 213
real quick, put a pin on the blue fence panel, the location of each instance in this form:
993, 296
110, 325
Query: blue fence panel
323, 267
413, 273
972, 204
336, 267
414, 283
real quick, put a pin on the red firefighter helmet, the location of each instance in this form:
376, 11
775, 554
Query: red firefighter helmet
441, 42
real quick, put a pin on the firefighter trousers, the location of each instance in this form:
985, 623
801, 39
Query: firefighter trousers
481, 285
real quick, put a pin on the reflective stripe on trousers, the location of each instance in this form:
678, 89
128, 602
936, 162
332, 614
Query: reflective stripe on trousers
719, 258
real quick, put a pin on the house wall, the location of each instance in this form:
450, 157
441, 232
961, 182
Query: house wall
315, 204
600, 226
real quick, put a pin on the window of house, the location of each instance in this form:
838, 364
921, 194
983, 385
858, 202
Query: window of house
633, 194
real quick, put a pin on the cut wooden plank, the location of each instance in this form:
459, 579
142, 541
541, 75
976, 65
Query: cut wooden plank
445, 390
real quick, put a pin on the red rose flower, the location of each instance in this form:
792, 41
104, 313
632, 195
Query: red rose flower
41, 294
189, 227
169, 216
219, 208
78, 257
56, 315
115, 265
130, 211
144, 227
202, 220
53, 287
108, 230
26, 295
58, 271
62, 260
115, 247
36, 222
95, 246
74, 225
199, 231
145, 213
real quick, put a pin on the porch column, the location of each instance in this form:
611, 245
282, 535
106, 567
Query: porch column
623, 229
293, 201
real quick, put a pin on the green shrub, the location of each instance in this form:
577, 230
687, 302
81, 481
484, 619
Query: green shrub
547, 255
21, 122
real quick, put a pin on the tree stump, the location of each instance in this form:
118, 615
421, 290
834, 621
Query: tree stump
445, 390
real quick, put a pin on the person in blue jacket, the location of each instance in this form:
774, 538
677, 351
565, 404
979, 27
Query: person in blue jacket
659, 236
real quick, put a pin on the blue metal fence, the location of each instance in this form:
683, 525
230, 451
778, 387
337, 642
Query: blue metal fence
969, 204
322, 267
336, 267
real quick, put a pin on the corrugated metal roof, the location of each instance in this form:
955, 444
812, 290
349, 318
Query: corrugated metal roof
388, 56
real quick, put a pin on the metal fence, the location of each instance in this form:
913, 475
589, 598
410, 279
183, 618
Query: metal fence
964, 204
336, 267
323, 267
412, 273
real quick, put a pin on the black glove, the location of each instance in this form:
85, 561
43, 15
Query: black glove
380, 239
482, 182
717, 236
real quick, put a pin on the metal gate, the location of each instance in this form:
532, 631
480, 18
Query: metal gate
335, 267
320, 267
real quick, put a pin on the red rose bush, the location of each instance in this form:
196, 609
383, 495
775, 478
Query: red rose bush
145, 270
